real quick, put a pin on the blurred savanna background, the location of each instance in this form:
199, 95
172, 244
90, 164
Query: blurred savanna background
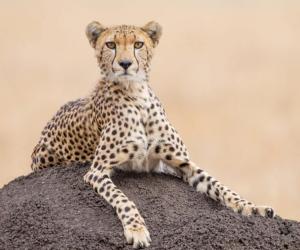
228, 73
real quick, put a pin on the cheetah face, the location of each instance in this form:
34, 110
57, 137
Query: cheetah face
124, 52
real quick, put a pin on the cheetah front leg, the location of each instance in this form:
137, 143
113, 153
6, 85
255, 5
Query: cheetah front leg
205, 183
99, 176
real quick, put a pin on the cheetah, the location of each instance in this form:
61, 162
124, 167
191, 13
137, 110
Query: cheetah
121, 124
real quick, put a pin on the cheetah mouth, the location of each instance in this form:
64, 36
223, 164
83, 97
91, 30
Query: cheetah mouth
126, 76
126, 73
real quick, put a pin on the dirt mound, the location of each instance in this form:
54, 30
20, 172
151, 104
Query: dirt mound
54, 209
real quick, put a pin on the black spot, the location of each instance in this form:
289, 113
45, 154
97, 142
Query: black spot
169, 157
130, 221
125, 150
157, 149
185, 164
43, 160
197, 181
199, 171
127, 209
217, 193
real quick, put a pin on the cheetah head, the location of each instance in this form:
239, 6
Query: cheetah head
124, 52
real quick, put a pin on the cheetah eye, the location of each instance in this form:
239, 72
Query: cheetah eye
111, 45
138, 45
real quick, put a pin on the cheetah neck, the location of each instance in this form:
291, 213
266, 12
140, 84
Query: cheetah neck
137, 90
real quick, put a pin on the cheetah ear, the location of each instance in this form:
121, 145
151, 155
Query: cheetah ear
93, 31
154, 31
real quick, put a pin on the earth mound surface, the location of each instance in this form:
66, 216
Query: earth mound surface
55, 209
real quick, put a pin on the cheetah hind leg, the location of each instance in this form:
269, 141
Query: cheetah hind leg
43, 157
208, 185
163, 168
205, 183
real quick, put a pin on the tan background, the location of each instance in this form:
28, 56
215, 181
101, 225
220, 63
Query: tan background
227, 73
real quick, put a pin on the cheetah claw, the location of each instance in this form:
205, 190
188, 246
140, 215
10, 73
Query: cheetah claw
138, 237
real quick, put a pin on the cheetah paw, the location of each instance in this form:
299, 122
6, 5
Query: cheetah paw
264, 211
138, 237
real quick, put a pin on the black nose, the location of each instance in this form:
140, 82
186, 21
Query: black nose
125, 64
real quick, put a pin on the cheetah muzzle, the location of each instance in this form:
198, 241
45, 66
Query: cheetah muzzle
122, 124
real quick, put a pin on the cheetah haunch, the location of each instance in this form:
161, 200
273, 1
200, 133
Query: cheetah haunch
122, 124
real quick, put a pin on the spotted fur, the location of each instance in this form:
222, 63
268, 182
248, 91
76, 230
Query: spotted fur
122, 124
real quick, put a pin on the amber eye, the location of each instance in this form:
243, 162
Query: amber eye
111, 45
138, 45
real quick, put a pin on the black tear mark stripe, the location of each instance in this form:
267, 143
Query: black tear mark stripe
101, 54
112, 63
147, 54
138, 63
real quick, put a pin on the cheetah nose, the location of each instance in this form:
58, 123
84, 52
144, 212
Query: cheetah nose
125, 64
